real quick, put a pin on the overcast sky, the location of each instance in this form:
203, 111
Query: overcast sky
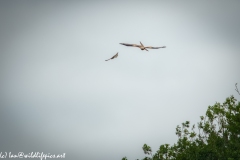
59, 95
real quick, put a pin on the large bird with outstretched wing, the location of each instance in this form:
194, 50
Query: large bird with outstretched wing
142, 47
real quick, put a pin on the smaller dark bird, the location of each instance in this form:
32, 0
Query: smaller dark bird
115, 56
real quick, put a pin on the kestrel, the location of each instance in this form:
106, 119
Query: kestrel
142, 46
115, 56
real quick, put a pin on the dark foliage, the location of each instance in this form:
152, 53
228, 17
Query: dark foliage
216, 136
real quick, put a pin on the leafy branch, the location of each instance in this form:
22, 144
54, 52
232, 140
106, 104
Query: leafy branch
237, 89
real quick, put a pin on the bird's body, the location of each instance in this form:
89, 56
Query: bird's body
142, 47
115, 56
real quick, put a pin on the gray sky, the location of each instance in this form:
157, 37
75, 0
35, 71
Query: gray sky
59, 95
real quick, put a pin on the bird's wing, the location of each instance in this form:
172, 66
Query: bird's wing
115, 56
150, 47
132, 45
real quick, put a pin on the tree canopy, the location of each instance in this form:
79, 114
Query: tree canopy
215, 137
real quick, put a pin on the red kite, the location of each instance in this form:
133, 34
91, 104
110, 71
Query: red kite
142, 46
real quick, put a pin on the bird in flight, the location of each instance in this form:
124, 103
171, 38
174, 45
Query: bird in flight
115, 56
142, 47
